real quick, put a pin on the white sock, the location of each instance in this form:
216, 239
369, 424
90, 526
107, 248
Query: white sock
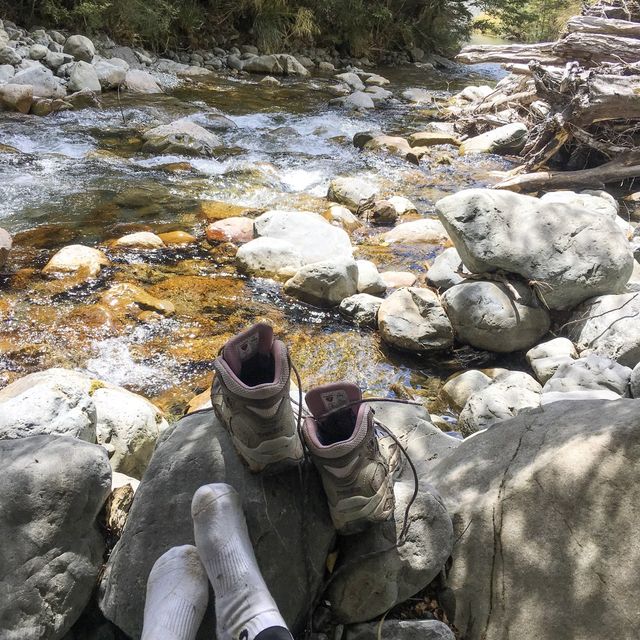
244, 606
177, 596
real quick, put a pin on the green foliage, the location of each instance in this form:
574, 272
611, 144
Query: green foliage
526, 20
355, 27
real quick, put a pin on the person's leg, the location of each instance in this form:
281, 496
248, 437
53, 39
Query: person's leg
177, 596
245, 609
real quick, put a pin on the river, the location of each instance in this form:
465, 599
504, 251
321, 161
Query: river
79, 177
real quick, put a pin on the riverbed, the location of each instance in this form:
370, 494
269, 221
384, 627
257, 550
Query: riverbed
80, 177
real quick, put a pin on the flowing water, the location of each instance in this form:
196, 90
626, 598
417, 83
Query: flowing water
80, 177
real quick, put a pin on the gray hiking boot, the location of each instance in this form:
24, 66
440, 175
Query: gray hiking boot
347, 449
250, 396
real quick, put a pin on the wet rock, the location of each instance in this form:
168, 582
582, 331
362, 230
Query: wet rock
424, 231
128, 426
362, 308
508, 395
397, 279
535, 484
47, 403
393, 144
577, 379
235, 229
109, 75
375, 80
418, 96
444, 272
80, 47
341, 217
369, 280
352, 80
277, 64
76, 258
378, 94
181, 137
608, 326
291, 535
310, 233
44, 83
6, 242
52, 491
400, 630
571, 253
402, 205
379, 212
432, 138
10, 56
413, 319
82, 77
270, 81
16, 97
140, 240
171, 238
460, 387
324, 284
361, 138
138, 81
545, 358
495, 316
269, 257
125, 298
351, 192
509, 138
358, 100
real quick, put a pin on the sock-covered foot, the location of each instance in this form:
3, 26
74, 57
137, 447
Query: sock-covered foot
177, 596
244, 606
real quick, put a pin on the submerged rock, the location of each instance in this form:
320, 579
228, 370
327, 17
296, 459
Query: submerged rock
181, 137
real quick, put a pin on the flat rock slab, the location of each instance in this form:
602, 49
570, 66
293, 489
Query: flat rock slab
51, 551
546, 514
289, 525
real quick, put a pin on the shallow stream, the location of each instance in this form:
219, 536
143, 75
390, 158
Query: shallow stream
79, 177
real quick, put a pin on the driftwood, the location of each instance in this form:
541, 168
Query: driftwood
579, 98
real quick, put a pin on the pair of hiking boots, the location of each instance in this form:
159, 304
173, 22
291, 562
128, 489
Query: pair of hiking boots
355, 456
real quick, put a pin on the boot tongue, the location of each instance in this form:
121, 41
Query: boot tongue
323, 399
255, 340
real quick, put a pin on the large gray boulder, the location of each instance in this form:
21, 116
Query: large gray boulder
510, 138
634, 382
363, 590
570, 252
182, 137
608, 325
52, 550
269, 257
412, 318
444, 272
496, 317
275, 64
288, 523
80, 47
138, 81
109, 75
6, 242
509, 394
8, 55
546, 509
315, 239
324, 284
47, 403
580, 378
44, 83
83, 76
400, 630
459, 388
546, 357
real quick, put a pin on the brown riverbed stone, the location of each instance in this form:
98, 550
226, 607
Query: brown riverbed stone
217, 210
177, 238
76, 258
125, 298
235, 229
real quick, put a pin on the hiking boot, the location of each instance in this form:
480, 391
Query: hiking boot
250, 396
346, 448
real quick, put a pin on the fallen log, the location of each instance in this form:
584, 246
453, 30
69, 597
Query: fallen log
510, 53
595, 48
622, 168
604, 26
